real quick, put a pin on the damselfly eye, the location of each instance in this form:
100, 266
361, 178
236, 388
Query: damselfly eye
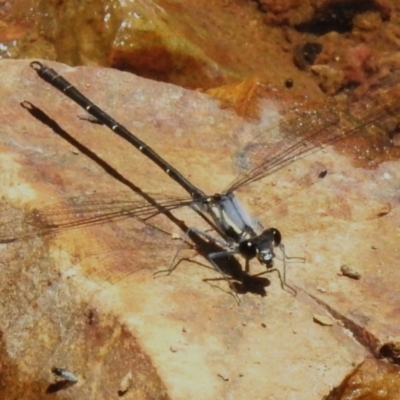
276, 235
248, 249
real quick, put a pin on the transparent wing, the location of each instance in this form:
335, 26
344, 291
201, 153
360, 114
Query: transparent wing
302, 133
83, 210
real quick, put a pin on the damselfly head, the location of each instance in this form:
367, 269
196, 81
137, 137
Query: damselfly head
261, 246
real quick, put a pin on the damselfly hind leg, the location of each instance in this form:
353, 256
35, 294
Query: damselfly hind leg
210, 257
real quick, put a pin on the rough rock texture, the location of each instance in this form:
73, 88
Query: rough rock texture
371, 380
345, 46
85, 299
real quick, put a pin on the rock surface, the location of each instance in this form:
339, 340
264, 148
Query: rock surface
85, 299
